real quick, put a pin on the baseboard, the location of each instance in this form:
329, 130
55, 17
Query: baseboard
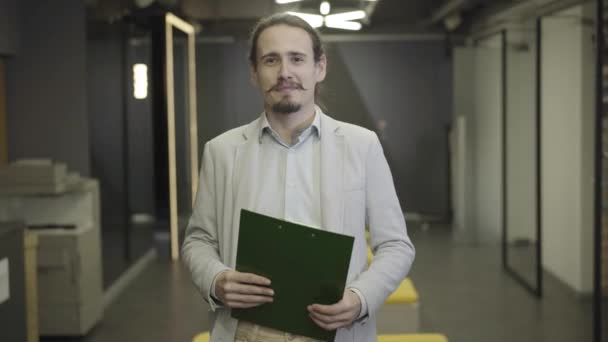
127, 277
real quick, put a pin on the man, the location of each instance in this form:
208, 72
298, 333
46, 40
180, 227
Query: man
295, 163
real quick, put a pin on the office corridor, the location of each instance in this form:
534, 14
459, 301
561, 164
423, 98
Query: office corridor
463, 294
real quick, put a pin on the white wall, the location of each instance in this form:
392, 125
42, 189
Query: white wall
567, 143
521, 134
476, 141
462, 144
567, 148
487, 135
458, 153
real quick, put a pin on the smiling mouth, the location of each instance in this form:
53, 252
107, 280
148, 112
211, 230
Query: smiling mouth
286, 87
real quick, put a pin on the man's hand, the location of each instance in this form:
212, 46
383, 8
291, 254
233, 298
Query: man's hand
341, 314
242, 290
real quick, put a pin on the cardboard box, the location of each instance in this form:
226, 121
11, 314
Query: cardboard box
32, 173
70, 286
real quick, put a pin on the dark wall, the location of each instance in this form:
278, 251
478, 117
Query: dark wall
10, 12
47, 96
225, 97
141, 137
225, 100
105, 88
406, 84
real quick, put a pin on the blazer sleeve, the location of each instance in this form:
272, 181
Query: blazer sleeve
393, 251
200, 250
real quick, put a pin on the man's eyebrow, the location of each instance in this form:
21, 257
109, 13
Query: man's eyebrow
270, 54
290, 53
296, 53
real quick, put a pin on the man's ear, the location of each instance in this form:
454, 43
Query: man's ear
321, 68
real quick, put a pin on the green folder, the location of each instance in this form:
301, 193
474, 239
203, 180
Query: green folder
305, 265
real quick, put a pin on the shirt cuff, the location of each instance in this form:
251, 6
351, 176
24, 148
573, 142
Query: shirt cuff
363, 311
217, 302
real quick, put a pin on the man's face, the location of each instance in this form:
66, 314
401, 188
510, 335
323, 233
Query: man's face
286, 72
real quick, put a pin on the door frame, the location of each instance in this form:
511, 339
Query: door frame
171, 22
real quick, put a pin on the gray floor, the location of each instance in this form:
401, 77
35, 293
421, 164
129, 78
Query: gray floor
521, 259
466, 295
463, 291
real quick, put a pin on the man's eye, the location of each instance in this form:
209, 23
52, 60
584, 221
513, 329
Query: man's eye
270, 60
297, 59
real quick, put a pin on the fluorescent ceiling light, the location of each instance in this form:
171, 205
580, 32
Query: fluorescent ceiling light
345, 16
313, 20
140, 81
325, 8
341, 24
281, 2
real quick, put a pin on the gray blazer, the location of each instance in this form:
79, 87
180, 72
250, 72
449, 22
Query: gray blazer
356, 191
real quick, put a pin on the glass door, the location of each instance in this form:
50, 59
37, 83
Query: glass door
600, 303
521, 124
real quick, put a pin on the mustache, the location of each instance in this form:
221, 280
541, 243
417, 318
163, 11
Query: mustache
282, 84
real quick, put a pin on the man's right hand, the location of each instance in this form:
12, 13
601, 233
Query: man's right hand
243, 290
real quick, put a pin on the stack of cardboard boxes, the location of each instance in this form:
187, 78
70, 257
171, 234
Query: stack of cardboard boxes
35, 177
62, 210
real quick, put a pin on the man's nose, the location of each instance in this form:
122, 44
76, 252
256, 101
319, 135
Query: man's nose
284, 71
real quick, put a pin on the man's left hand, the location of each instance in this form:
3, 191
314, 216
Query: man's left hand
341, 314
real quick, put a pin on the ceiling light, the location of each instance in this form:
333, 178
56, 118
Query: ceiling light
313, 20
140, 81
345, 16
341, 24
325, 8
281, 2
452, 22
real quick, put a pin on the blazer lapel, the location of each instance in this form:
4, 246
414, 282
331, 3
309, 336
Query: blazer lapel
245, 176
332, 175
245, 172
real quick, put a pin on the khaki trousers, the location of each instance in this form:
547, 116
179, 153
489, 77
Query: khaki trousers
249, 332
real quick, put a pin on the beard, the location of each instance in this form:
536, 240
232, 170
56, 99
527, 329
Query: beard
286, 107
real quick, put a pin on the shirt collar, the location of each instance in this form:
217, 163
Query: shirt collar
316, 125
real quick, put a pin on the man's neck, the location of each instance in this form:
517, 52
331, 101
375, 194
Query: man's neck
288, 126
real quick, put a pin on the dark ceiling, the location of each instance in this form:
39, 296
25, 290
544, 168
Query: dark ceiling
223, 17
405, 10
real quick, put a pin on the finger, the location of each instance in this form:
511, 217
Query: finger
249, 278
347, 316
330, 327
235, 297
329, 310
241, 305
248, 289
